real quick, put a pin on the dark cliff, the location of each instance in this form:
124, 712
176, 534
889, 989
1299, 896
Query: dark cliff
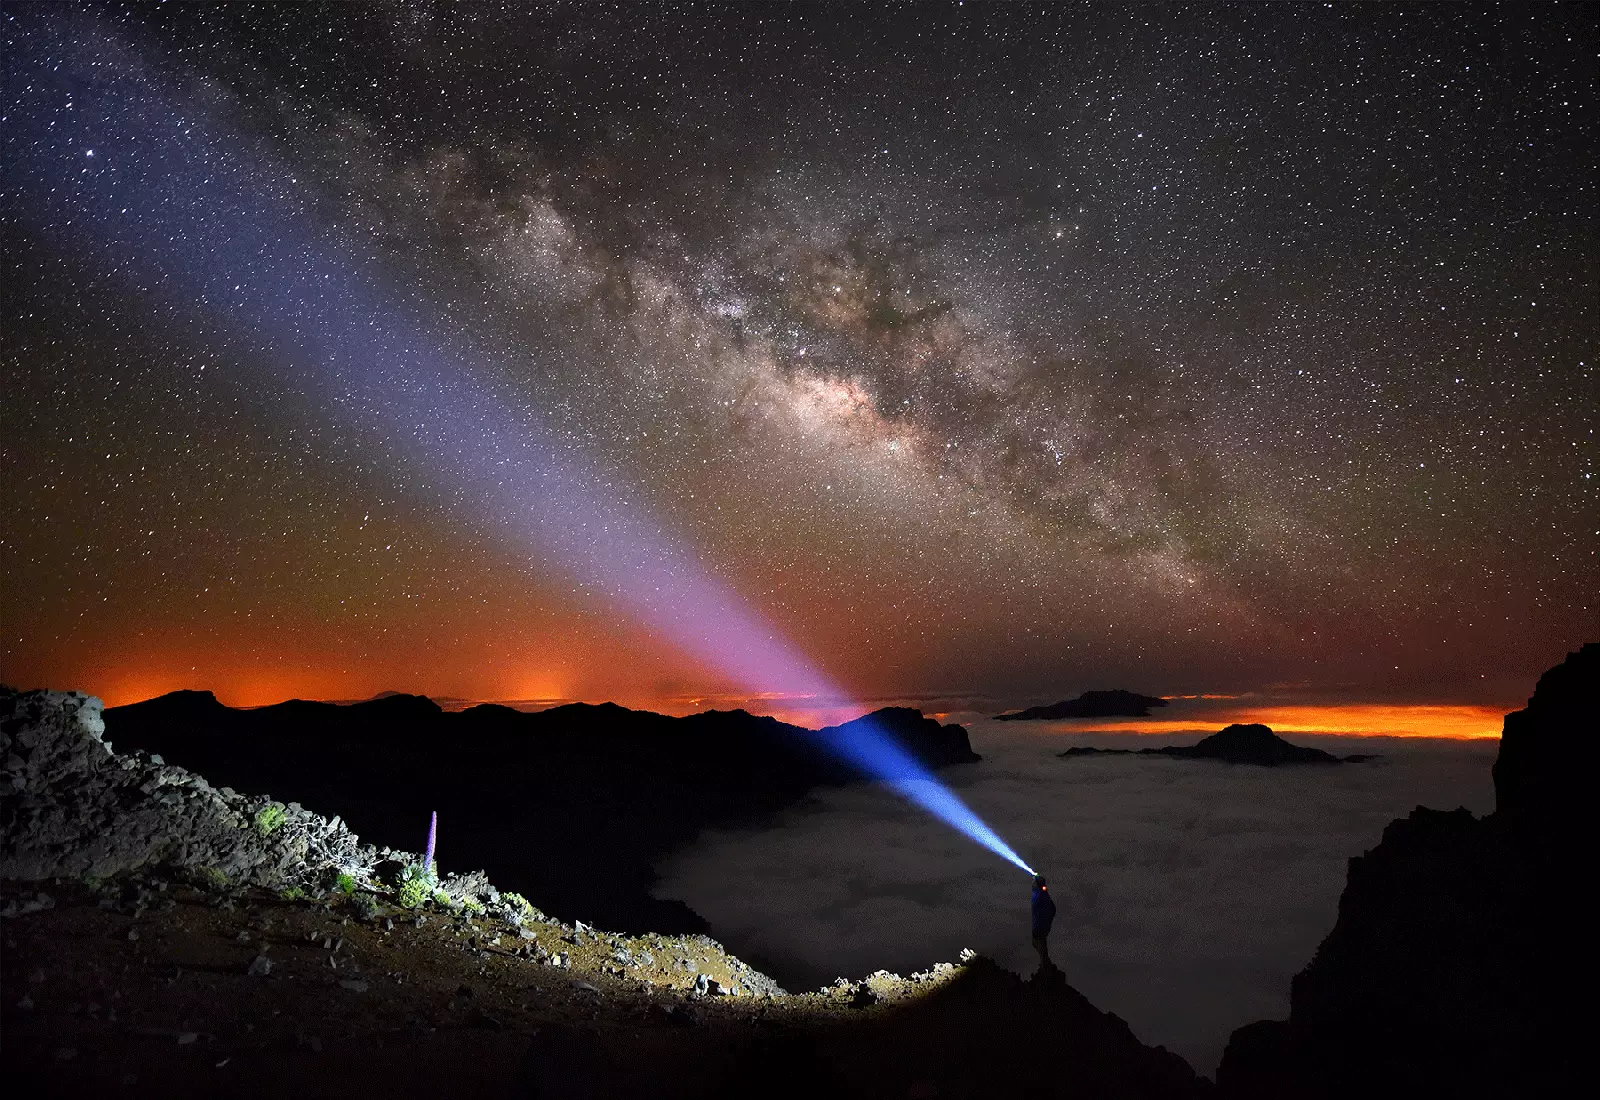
1451, 970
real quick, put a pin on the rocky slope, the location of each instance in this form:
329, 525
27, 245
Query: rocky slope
164, 936
1237, 744
541, 801
1451, 968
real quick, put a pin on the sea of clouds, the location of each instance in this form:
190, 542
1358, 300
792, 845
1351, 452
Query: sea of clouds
1189, 891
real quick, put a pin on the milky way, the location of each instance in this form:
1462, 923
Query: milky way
984, 352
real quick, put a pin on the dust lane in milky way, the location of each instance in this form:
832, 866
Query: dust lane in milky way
1002, 353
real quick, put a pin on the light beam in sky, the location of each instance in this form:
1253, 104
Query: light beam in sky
226, 237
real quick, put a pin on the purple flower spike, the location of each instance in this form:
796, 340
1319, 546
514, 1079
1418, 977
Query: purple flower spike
433, 835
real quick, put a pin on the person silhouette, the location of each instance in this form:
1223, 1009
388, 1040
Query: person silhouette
1044, 915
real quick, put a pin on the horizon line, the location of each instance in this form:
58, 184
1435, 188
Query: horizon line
1447, 721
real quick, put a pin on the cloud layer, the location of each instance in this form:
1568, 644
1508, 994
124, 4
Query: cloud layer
1189, 892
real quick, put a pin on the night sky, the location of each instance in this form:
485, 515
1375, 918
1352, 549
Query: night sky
989, 354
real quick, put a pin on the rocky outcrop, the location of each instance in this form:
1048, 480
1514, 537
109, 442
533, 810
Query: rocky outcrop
1091, 704
71, 807
1545, 773
1451, 968
1237, 744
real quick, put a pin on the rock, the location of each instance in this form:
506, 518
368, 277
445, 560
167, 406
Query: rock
260, 967
1091, 704
26, 903
163, 816
680, 1015
865, 997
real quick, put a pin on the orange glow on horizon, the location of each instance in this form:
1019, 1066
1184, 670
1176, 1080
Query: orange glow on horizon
1209, 713
1457, 722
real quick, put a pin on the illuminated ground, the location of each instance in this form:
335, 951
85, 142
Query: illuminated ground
102, 999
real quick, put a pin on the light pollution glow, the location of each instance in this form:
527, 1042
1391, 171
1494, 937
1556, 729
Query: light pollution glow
255, 688
1343, 719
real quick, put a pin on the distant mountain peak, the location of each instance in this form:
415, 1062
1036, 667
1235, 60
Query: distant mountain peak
1239, 743
1116, 703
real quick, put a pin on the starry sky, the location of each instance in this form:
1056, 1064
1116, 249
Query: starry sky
988, 354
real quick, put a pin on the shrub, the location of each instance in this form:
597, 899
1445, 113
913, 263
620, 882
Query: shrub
294, 893
365, 905
270, 817
345, 884
418, 886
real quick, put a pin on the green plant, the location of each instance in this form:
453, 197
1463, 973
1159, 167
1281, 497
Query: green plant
345, 884
441, 898
293, 893
270, 817
418, 886
365, 905
524, 908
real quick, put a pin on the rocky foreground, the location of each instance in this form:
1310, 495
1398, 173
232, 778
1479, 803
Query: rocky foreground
167, 937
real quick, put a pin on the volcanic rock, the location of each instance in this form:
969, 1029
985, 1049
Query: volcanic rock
71, 807
1091, 704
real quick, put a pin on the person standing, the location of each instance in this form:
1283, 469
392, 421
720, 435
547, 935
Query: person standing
1044, 915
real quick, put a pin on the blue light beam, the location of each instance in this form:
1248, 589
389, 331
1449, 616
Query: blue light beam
174, 203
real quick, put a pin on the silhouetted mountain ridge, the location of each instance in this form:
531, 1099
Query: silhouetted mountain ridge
572, 805
1091, 704
1236, 744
